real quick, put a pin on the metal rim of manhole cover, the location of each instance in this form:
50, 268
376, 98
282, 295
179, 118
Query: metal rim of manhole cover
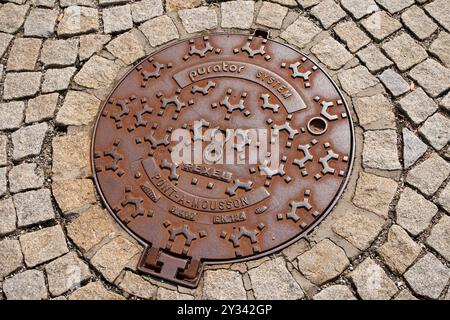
173, 144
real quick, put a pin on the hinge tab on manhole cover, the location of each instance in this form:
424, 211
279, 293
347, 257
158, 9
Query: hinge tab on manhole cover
185, 271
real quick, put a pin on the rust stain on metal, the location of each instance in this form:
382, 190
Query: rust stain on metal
190, 215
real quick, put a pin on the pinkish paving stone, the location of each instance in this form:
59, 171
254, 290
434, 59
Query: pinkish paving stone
418, 22
380, 25
439, 9
351, 35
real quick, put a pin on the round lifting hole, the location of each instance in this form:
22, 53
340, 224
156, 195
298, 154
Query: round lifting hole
317, 126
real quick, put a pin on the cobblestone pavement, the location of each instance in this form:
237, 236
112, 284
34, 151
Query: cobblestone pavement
388, 238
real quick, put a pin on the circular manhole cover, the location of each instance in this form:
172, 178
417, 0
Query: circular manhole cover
219, 149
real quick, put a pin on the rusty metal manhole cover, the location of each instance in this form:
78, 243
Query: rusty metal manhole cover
207, 210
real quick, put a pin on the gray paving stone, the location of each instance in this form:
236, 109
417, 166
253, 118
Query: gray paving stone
45, 3
439, 9
331, 53
43, 245
380, 150
444, 198
351, 35
413, 148
374, 193
66, 273
198, 19
335, 292
405, 295
28, 285
59, 53
432, 77
445, 102
24, 54
5, 40
57, 79
159, 30
7, 217
11, 257
117, 19
24, 177
300, 32
359, 8
18, 1
380, 25
94, 291
271, 15
394, 6
399, 251
11, 115
21, 85
429, 175
328, 13
405, 52
137, 286
418, 106
428, 277
374, 59
305, 4
165, 294
375, 112
416, 20
356, 80
3, 149
33, 207
436, 131
129, 47
40, 23
3, 182
293, 251
274, 274
78, 20
146, 9
439, 48
68, 3
27, 141
90, 44
371, 282
237, 14
12, 17
325, 261
440, 237
223, 285
394, 82
41, 108
287, 3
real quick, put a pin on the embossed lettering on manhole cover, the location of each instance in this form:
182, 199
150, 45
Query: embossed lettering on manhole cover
220, 149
